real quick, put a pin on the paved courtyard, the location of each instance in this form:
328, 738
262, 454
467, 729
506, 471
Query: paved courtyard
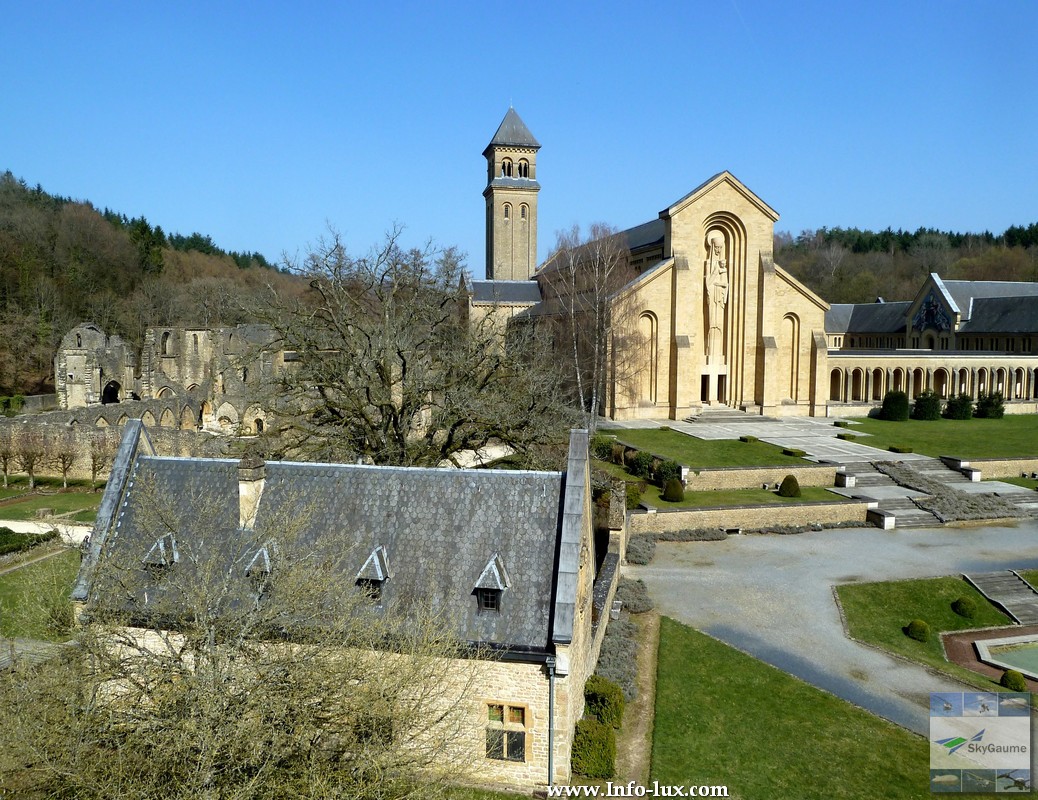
771, 596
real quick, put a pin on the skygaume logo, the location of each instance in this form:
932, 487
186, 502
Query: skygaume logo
953, 743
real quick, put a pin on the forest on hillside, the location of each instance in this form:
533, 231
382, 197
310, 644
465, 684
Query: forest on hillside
63, 262
848, 265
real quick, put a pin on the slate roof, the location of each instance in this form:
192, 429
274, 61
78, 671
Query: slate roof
867, 317
506, 292
513, 131
1002, 315
646, 234
965, 292
440, 529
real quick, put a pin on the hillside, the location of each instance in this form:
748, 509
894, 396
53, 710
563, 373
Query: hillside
62, 262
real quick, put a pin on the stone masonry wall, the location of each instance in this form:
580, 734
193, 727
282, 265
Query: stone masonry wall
750, 517
1003, 467
753, 477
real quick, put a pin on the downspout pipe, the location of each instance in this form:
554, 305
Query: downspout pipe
549, 662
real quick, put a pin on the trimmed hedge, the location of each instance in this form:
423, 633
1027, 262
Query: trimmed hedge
842, 423
748, 438
927, 406
899, 448
1013, 680
633, 594
918, 629
846, 437
790, 487
604, 700
895, 407
633, 495
959, 406
13, 542
640, 550
965, 607
673, 491
594, 749
793, 451
668, 470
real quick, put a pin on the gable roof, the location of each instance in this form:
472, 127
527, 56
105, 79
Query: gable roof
965, 293
512, 132
867, 317
440, 530
710, 184
1001, 315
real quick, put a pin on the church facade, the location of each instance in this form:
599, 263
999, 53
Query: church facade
709, 320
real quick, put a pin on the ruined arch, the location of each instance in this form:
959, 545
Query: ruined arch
187, 419
101, 422
165, 392
111, 393
168, 419
148, 419
123, 420
227, 416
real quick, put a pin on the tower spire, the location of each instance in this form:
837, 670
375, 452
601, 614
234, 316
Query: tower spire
511, 200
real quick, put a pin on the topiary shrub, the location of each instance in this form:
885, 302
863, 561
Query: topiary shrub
917, 629
748, 438
667, 470
794, 451
1013, 680
991, 406
632, 593
594, 749
965, 607
842, 423
790, 487
640, 550
846, 437
673, 491
899, 448
895, 407
959, 406
604, 700
927, 406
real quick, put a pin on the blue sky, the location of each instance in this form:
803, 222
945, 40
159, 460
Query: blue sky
261, 123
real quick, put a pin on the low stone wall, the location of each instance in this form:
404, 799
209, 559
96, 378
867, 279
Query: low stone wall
1002, 467
709, 479
750, 517
72, 534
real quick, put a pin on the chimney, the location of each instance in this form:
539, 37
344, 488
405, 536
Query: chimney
252, 470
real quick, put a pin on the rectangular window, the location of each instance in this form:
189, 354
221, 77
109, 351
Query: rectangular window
506, 732
489, 600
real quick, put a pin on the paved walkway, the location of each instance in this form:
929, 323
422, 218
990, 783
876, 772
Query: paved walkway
771, 596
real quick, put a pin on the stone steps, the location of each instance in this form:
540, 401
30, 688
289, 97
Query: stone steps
1009, 591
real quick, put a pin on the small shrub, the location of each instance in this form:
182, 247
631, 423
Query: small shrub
663, 428
991, 406
604, 700
668, 470
927, 406
640, 464
602, 447
790, 487
1013, 680
847, 437
640, 550
965, 607
748, 438
895, 407
793, 451
634, 495
673, 491
632, 593
594, 749
959, 406
616, 453
842, 423
899, 448
918, 629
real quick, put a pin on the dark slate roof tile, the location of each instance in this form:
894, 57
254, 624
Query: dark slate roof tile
506, 292
867, 317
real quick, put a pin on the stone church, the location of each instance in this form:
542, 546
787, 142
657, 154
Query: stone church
718, 324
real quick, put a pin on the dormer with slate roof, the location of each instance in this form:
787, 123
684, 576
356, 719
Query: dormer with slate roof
511, 201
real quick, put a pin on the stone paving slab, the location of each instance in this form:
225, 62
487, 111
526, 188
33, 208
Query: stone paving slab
993, 487
879, 492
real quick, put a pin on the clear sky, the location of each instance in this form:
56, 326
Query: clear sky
262, 123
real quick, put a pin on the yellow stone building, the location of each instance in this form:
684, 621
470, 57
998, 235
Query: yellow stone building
709, 320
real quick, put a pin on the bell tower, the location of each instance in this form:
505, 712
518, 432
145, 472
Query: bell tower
511, 196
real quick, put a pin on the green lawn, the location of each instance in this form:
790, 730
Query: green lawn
29, 594
694, 452
723, 717
1014, 436
876, 612
736, 497
79, 503
1027, 483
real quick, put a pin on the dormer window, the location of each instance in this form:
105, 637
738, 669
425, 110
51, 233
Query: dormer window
258, 571
163, 554
373, 575
490, 586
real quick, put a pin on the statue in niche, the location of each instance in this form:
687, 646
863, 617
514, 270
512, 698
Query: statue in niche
716, 291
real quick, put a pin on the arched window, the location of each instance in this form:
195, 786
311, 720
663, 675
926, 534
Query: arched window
194, 339
524, 168
522, 211
506, 168
508, 211
79, 340
165, 344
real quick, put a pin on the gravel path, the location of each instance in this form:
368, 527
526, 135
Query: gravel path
771, 596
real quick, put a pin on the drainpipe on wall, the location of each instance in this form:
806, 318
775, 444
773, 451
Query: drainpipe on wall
549, 662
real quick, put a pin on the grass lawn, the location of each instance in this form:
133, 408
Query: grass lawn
63, 503
692, 452
1009, 437
876, 612
1027, 483
723, 717
26, 593
1030, 575
736, 497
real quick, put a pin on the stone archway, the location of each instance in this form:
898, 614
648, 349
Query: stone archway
835, 386
111, 393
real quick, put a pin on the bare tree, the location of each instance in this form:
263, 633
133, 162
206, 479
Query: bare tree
389, 367
7, 452
275, 678
30, 452
102, 449
64, 453
595, 324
